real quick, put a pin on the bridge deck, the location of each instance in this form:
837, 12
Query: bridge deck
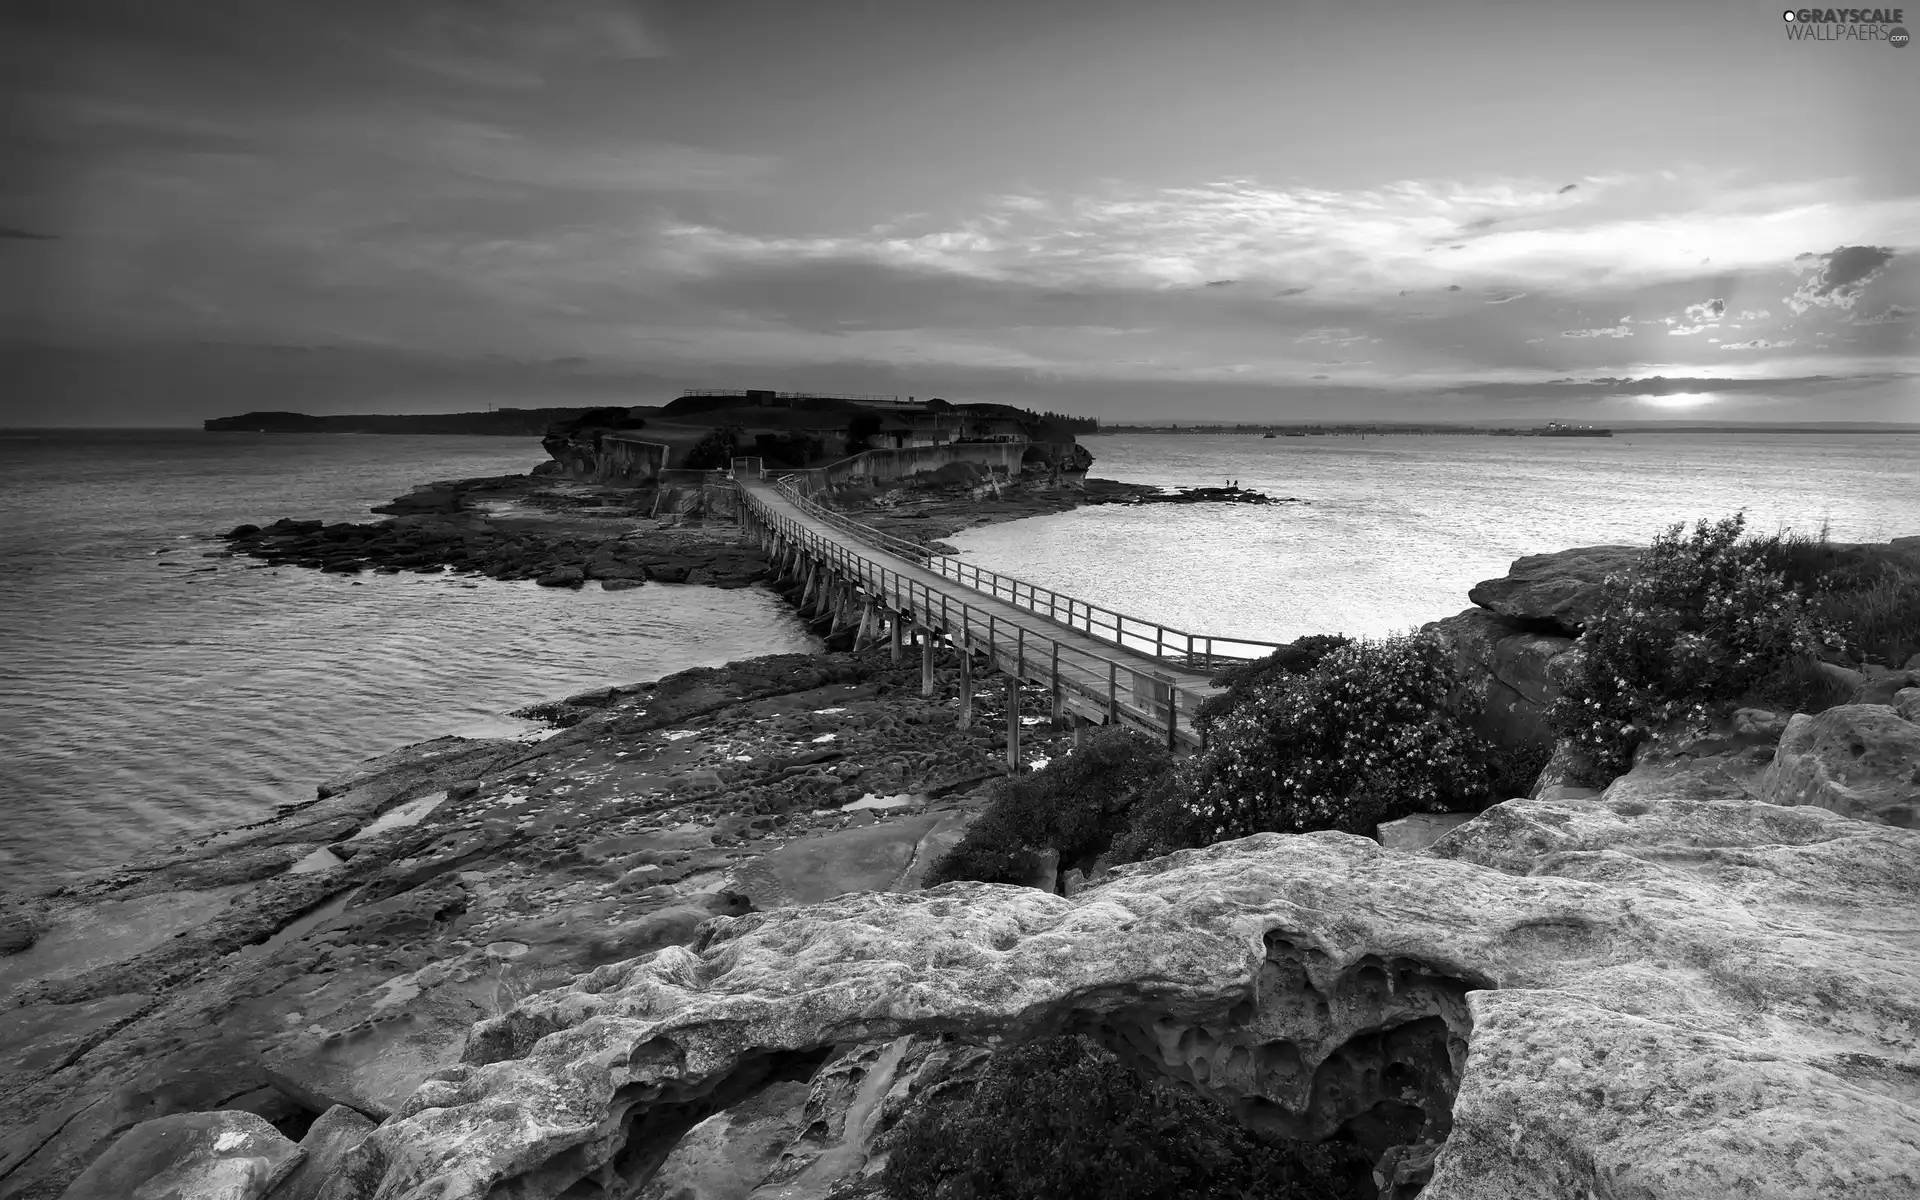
1093, 677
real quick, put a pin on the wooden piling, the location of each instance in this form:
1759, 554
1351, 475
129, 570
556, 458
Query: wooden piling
1013, 724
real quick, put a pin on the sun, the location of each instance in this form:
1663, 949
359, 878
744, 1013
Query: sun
1679, 400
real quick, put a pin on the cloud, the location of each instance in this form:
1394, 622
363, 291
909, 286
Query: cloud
23, 235
1508, 299
1756, 344
1838, 277
1617, 331
1685, 330
1894, 314
1563, 191
1707, 313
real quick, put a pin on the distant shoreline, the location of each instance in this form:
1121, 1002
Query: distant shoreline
1349, 430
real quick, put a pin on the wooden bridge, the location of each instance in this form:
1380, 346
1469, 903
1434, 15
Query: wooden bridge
1099, 666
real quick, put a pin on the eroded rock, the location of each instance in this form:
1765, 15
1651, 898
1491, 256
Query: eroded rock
1560, 996
1861, 760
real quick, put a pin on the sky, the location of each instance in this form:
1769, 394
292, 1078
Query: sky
1187, 210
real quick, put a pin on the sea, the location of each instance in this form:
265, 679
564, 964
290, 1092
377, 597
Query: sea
148, 692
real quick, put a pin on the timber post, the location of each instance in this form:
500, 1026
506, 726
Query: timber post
1013, 724
926, 660
966, 686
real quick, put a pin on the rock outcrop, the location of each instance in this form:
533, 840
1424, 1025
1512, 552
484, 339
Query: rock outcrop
1516, 651
1859, 760
1560, 590
1652, 994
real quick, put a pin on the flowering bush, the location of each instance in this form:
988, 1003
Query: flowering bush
1063, 1119
1374, 731
1697, 620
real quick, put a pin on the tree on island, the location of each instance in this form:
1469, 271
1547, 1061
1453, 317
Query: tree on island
716, 451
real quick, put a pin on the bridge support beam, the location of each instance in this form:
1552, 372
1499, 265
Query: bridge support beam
926, 659
893, 637
966, 687
1013, 724
1079, 729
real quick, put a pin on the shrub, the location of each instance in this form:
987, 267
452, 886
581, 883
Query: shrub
1063, 1119
1867, 597
1377, 729
715, 451
1697, 620
1076, 804
1297, 658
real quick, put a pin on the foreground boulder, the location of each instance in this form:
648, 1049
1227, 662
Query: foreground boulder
1643, 995
1860, 760
191, 1156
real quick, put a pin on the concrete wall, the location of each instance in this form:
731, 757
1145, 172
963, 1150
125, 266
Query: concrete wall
623, 458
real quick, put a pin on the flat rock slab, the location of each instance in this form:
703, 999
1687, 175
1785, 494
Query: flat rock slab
82, 939
812, 869
36, 1036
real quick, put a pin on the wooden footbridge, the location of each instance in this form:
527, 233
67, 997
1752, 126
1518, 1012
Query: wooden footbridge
1099, 666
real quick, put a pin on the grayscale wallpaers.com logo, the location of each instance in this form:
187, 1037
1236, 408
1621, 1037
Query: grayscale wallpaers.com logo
1847, 25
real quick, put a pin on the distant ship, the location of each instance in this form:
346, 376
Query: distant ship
1268, 434
1296, 435
1557, 429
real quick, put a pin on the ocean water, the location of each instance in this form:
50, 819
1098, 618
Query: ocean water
1398, 527
143, 701
146, 692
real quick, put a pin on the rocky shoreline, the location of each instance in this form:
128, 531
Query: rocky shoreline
402, 987
566, 533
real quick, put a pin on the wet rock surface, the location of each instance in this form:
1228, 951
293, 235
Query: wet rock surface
459, 878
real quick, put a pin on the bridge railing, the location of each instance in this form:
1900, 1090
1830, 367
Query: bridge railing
1098, 686
1195, 651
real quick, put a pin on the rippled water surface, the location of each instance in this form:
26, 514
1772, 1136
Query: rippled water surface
1397, 528
146, 691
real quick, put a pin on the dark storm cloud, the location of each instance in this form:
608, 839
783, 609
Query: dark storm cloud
26, 236
1839, 278
1563, 191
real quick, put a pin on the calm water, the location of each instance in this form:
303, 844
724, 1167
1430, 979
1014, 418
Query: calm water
145, 694
1399, 527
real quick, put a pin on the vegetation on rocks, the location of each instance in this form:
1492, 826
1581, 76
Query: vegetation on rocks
1077, 805
1699, 620
1062, 1119
715, 451
1374, 730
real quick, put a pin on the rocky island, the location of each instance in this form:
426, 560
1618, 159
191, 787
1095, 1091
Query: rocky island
684, 944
